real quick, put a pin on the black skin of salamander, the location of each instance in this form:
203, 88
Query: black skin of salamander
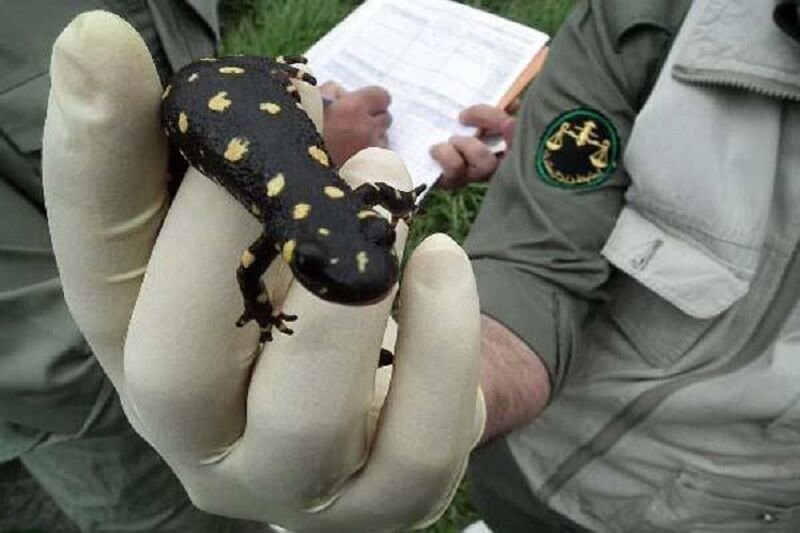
338, 247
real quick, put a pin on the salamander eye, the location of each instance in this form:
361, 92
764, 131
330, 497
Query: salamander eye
378, 230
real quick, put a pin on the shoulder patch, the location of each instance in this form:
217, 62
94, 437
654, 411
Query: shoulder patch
578, 150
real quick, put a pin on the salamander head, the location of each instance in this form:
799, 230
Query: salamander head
355, 269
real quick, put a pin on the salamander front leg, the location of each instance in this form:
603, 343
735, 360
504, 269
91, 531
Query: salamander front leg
401, 204
257, 306
285, 74
296, 74
292, 59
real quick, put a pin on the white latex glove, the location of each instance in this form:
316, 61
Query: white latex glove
285, 436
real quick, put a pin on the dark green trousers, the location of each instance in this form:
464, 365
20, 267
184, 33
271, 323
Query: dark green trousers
504, 498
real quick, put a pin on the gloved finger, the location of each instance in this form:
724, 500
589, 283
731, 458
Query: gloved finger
433, 414
104, 171
187, 363
311, 392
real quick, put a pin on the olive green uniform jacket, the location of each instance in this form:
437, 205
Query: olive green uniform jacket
58, 413
49, 381
641, 237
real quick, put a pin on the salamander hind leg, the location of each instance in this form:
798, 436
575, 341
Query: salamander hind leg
257, 305
401, 204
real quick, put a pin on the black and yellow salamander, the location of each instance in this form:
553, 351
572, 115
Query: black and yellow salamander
239, 121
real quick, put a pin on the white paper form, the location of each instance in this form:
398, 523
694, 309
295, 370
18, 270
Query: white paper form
435, 57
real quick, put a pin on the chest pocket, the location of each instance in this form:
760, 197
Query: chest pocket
704, 502
676, 269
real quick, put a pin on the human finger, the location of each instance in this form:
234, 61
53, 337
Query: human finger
507, 129
378, 132
513, 106
332, 90
381, 140
104, 172
453, 165
376, 99
382, 121
480, 161
483, 116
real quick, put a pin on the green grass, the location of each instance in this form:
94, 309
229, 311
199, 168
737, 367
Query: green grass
272, 27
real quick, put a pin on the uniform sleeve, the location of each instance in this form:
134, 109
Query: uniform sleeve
535, 246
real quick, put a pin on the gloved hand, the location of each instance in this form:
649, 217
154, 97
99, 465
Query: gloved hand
291, 435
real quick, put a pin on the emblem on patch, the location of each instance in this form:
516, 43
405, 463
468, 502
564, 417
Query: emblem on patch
578, 150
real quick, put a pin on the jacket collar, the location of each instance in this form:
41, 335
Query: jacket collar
737, 43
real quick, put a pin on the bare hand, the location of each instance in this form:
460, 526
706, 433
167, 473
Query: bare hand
468, 159
355, 120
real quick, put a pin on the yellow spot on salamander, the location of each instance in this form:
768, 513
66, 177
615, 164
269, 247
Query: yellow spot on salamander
270, 107
301, 211
366, 214
319, 154
276, 185
361, 261
183, 122
193, 77
248, 259
231, 70
166, 92
324, 232
288, 250
219, 102
333, 192
236, 149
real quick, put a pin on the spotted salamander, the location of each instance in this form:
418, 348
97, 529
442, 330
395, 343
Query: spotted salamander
239, 121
